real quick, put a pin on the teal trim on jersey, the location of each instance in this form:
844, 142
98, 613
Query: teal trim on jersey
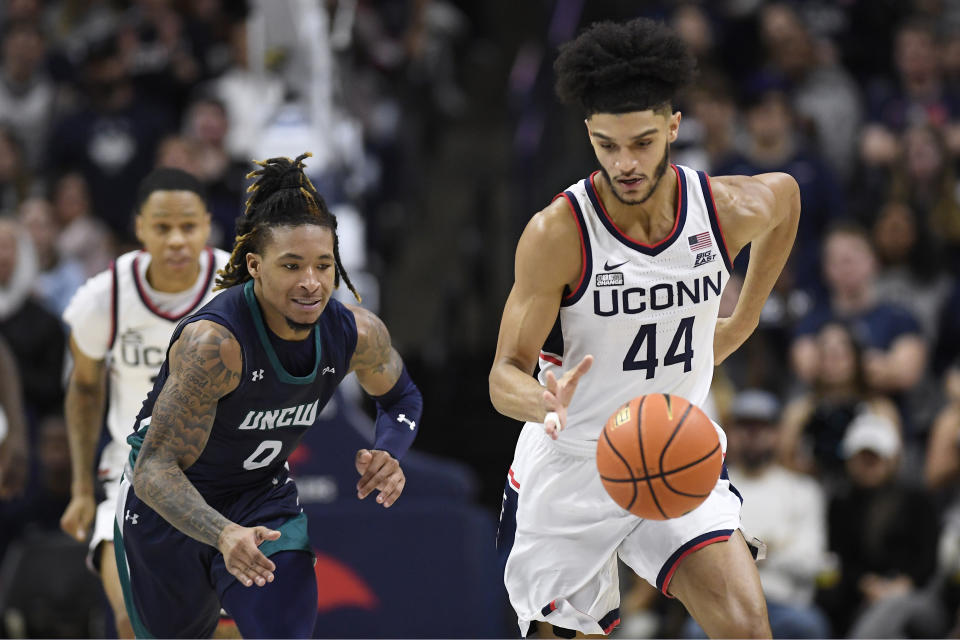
139, 630
282, 373
293, 537
135, 440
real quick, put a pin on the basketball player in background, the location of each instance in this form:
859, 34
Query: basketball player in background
120, 324
206, 506
617, 288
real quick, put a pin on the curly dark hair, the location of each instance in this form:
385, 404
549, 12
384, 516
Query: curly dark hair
282, 196
615, 67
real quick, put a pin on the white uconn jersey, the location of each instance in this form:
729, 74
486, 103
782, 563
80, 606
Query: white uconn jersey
141, 333
646, 313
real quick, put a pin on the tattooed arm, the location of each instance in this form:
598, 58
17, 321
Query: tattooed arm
375, 361
205, 364
381, 373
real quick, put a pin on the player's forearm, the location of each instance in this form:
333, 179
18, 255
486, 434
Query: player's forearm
84, 413
515, 393
168, 491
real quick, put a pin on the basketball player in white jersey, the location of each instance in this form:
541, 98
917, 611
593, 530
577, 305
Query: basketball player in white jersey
120, 325
616, 294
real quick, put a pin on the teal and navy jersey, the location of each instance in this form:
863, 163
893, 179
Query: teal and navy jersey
260, 423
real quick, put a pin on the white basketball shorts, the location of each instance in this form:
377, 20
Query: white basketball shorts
562, 566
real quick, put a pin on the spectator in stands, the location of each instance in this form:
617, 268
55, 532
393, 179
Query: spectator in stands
918, 93
694, 26
884, 533
924, 177
75, 27
251, 97
48, 492
59, 277
815, 423
206, 126
83, 237
26, 93
15, 178
895, 353
53, 458
35, 335
911, 272
794, 530
773, 144
177, 152
916, 96
824, 96
707, 138
111, 139
159, 55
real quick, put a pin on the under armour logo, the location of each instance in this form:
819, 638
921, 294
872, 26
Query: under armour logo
132, 517
403, 418
257, 375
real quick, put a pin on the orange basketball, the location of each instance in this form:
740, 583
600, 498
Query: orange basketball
659, 456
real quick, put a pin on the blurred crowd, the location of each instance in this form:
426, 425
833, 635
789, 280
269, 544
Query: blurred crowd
842, 410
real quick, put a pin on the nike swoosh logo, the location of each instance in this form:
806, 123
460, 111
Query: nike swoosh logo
607, 266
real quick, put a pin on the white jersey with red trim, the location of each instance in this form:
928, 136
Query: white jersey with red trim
647, 313
142, 321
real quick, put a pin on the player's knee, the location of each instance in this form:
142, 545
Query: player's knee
747, 618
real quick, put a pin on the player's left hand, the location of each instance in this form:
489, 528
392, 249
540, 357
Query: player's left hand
559, 393
379, 471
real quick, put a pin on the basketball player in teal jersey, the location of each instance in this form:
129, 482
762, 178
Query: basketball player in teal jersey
206, 507
616, 294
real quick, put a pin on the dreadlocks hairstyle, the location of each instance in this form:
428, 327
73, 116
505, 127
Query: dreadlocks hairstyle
617, 67
281, 196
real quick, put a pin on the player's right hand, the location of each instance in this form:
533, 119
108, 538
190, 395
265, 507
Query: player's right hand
78, 516
558, 395
243, 559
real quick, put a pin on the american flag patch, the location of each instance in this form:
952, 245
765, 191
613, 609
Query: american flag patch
699, 241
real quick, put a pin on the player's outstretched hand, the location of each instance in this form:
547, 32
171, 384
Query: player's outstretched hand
242, 557
379, 470
78, 516
558, 395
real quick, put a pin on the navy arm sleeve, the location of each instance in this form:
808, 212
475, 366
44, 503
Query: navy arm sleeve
398, 416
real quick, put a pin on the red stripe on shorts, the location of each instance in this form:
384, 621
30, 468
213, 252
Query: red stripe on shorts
676, 563
555, 360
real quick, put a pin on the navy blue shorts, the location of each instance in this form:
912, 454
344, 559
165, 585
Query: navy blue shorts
173, 584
